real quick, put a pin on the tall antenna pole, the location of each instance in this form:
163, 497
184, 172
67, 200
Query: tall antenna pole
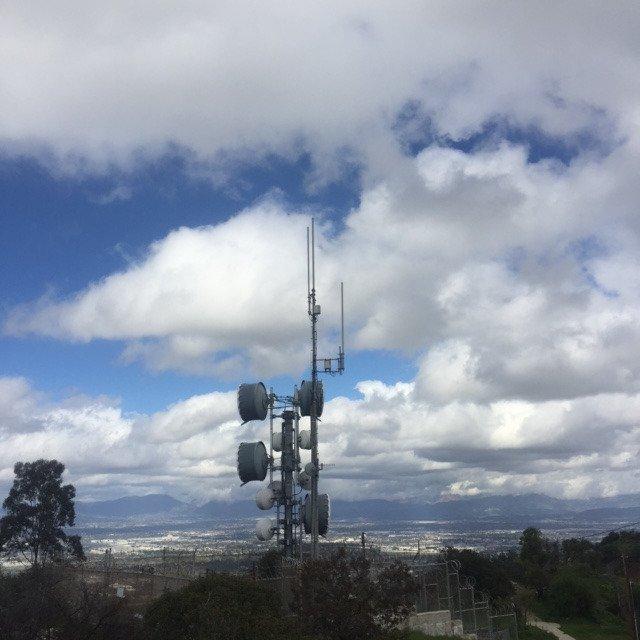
288, 464
308, 275
294, 515
341, 349
314, 311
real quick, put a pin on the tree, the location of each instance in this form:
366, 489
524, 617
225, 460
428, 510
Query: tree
37, 510
539, 557
395, 592
573, 594
220, 606
341, 598
617, 543
579, 551
50, 602
489, 572
269, 564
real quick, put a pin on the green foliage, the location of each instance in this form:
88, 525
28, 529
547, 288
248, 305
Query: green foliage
616, 543
341, 598
609, 627
270, 564
410, 634
579, 551
573, 594
336, 598
530, 632
532, 546
37, 509
219, 606
493, 575
46, 602
581, 585
539, 557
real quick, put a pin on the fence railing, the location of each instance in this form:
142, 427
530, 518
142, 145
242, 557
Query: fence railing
441, 585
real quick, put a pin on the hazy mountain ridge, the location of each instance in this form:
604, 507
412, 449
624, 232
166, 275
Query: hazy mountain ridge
534, 506
128, 506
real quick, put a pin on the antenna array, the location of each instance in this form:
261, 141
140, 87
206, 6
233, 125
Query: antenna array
300, 509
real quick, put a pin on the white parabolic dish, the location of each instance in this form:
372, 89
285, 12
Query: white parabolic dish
265, 528
265, 498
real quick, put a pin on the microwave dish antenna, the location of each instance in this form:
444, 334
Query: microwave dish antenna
265, 528
276, 441
306, 399
253, 402
297, 513
253, 461
324, 509
304, 439
265, 498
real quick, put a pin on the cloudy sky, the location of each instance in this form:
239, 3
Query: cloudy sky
473, 169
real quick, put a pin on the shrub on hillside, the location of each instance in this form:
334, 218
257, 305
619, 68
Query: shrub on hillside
343, 597
573, 594
616, 543
539, 558
269, 564
580, 551
219, 606
489, 572
49, 602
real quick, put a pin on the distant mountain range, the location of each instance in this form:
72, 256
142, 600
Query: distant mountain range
535, 507
153, 503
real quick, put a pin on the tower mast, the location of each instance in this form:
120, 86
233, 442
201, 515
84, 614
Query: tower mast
314, 312
294, 515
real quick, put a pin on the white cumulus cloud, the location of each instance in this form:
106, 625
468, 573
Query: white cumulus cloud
388, 442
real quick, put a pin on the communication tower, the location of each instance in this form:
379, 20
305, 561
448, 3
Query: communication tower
299, 508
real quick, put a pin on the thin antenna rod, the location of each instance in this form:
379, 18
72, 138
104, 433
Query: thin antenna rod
271, 434
308, 267
342, 321
313, 253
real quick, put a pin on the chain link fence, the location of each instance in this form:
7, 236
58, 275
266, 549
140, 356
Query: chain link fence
441, 587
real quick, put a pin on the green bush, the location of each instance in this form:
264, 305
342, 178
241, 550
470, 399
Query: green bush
410, 634
270, 564
492, 574
219, 606
49, 602
609, 627
533, 633
341, 598
573, 594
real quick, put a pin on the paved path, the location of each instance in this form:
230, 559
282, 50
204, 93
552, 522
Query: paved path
552, 627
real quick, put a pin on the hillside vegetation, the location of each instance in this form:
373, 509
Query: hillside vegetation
578, 583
